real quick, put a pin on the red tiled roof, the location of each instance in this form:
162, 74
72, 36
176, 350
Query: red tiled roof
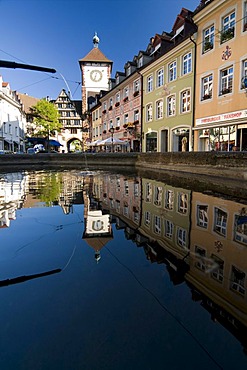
95, 55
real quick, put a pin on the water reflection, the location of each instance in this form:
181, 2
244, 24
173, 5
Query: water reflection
201, 239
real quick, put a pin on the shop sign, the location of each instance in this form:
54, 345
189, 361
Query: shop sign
222, 117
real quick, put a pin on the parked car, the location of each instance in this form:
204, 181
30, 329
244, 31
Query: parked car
31, 151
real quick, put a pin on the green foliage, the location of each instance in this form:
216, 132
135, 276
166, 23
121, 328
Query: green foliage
50, 187
46, 118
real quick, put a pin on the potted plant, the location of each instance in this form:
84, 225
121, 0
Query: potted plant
117, 104
227, 34
207, 45
136, 93
104, 132
110, 108
104, 111
125, 99
136, 122
225, 91
117, 128
125, 125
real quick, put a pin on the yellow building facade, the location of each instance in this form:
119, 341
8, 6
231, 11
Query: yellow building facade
221, 76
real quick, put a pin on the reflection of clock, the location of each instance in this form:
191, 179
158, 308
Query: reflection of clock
98, 225
96, 75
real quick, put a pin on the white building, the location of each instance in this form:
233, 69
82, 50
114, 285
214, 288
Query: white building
12, 120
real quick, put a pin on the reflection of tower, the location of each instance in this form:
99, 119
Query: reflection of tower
97, 228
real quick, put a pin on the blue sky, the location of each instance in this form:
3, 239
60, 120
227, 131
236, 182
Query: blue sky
57, 33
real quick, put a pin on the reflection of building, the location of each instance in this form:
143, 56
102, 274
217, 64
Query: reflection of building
97, 227
166, 216
12, 196
218, 259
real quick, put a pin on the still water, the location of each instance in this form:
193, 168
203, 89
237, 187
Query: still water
109, 271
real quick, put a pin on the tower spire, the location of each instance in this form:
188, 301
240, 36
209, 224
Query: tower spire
95, 40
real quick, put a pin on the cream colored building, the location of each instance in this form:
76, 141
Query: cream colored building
168, 89
221, 69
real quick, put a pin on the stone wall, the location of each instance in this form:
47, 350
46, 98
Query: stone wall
228, 164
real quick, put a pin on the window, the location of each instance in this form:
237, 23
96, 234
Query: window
228, 27
111, 102
136, 189
172, 71
208, 39
226, 80
136, 115
187, 63
207, 87
148, 195
240, 230
126, 187
159, 109
118, 122
244, 74
126, 209
185, 101
105, 106
126, 92
237, 280
220, 221
136, 85
245, 17
202, 216
149, 113
169, 199
200, 255
218, 270
157, 224
160, 78
169, 227
171, 105
158, 195
126, 118
149, 83
182, 203
181, 237
147, 218
118, 97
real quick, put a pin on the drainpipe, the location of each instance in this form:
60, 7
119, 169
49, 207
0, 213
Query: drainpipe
194, 95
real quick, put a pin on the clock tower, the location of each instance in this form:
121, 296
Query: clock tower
95, 73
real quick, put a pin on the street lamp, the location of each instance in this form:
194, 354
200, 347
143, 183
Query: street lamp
112, 129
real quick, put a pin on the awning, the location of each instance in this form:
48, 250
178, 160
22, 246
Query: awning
8, 141
54, 143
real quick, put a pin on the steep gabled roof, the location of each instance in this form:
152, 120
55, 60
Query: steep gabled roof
27, 101
95, 55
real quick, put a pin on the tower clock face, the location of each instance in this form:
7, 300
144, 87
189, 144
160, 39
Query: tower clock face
96, 75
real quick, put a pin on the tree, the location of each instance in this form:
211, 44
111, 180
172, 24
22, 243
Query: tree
46, 118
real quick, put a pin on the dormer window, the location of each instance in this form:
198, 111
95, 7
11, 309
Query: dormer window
140, 62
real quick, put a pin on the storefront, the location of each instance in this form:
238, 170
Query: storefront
223, 132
